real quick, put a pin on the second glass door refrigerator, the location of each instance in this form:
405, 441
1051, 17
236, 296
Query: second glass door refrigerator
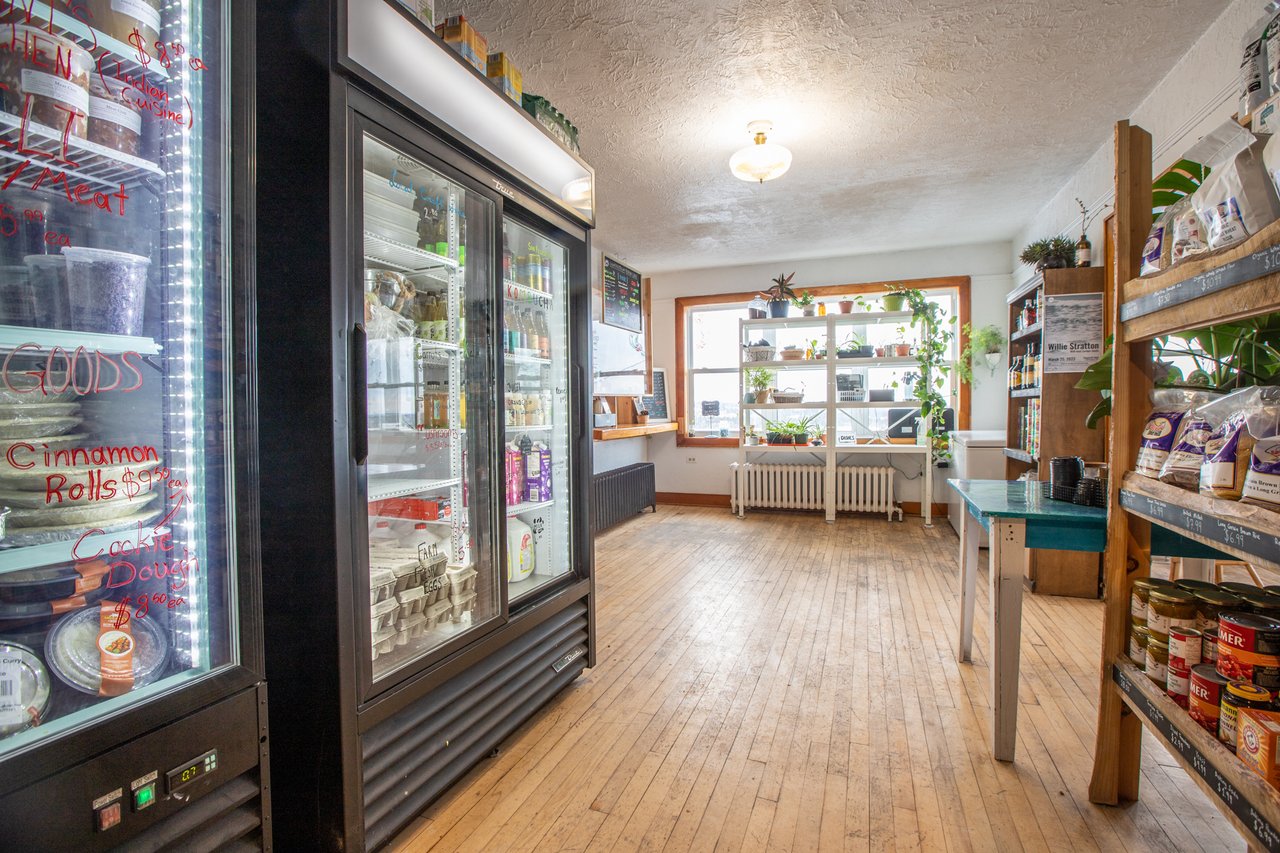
436, 588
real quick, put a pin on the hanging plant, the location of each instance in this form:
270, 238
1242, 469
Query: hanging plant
933, 360
982, 346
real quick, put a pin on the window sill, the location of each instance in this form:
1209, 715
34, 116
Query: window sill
683, 440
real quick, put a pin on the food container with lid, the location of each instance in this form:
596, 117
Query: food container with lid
1262, 603
1239, 694
410, 628
113, 122
1157, 667
1178, 685
24, 688
1249, 648
462, 606
49, 291
79, 651
1209, 645
1193, 585
107, 290
439, 613
119, 18
17, 299
1210, 603
51, 583
1167, 608
462, 580
1138, 646
45, 78
1237, 588
1205, 696
383, 641
1139, 594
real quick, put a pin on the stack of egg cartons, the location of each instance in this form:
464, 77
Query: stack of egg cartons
383, 608
410, 592
437, 585
462, 591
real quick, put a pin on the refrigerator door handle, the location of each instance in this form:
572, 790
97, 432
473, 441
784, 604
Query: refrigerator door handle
359, 394
579, 421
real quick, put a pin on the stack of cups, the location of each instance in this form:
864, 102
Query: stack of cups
1184, 653
1065, 473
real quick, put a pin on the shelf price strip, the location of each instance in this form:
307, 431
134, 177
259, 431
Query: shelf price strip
1220, 784
1229, 534
1262, 262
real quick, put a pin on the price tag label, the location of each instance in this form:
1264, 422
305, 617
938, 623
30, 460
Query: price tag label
1246, 269
12, 710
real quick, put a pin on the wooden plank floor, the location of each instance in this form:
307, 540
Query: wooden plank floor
778, 683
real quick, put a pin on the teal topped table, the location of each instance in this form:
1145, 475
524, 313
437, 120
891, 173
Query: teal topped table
1018, 516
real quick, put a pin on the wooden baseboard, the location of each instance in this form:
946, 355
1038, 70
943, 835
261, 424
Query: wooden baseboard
695, 499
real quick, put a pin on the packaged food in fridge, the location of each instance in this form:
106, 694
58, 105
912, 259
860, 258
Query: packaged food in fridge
411, 600
520, 550
47, 275
384, 641
383, 614
24, 688
462, 606
382, 584
107, 290
410, 629
136, 23
17, 299
45, 79
105, 651
462, 580
537, 473
113, 122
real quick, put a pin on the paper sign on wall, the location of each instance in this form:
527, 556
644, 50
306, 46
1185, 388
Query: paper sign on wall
1072, 332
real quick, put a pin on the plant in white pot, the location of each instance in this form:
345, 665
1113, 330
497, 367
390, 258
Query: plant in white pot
982, 346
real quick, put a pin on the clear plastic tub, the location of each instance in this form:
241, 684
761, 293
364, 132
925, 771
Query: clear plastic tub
48, 277
119, 18
113, 123
73, 654
17, 300
46, 78
107, 289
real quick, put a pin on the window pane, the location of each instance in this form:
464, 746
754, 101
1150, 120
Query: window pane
717, 395
714, 337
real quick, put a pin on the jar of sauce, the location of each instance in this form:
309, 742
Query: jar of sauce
1157, 660
1209, 603
1139, 594
1193, 586
1262, 603
1138, 646
1167, 608
1239, 694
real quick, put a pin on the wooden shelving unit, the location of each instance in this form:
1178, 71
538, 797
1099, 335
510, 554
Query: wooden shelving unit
1063, 410
1242, 282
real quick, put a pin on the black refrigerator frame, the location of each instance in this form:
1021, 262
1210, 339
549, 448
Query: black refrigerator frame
335, 786
47, 791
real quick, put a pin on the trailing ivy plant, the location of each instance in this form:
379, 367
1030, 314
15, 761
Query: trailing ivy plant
933, 358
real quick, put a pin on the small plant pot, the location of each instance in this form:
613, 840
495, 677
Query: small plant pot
992, 359
893, 301
764, 396
800, 440
642, 419
751, 441
1052, 262
879, 352
809, 310
864, 351
792, 354
902, 350
779, 308
846, 306
846, 353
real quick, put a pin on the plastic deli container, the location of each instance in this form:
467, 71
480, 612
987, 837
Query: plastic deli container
107, 290
24, 689
119, 18
73, 654
113, 123
46, 78
17, 300
48, 277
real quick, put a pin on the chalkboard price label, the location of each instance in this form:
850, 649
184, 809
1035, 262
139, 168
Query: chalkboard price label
622, 296
1262, 262
1230, 535
711, 408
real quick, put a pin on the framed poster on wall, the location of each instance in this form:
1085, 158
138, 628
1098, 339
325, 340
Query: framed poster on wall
623, 296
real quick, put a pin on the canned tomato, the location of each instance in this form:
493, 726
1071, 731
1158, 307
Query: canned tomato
1209, 644
1178, 685
1140, 593
1249, 648
1168, 608
1138, 646
1205, 696
1211, 602
1239, 694
1184, 648
1157, 660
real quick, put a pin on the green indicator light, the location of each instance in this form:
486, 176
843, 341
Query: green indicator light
144, 797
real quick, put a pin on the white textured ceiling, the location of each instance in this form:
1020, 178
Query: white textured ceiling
913, 124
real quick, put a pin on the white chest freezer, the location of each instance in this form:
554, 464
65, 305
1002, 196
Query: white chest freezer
976, 455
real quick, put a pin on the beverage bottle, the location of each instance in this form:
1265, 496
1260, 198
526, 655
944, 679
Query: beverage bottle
462, 239
507, 258
546, 334
546, 273
535, 269
381, 534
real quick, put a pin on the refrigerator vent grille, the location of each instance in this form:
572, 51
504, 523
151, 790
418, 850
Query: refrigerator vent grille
859, 488
227, 819
414, 756
621, 493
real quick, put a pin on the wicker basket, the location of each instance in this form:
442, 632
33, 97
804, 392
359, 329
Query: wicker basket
788, 396
792, 354
758, 353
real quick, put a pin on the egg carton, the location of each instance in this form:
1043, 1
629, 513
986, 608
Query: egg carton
462, 581
439, 613
383, 614
383, 641
459, 607
382, 584
437, 589
411, 601
433, 561
410, 629
408, 573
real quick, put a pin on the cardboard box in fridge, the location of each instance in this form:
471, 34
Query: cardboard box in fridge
463, 38
504, 73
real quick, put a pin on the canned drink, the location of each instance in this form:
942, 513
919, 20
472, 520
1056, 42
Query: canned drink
1205, 696
1185, 645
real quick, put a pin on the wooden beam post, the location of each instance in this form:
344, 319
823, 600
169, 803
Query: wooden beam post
1118, 748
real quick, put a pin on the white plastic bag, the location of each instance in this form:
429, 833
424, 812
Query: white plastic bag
1238, 198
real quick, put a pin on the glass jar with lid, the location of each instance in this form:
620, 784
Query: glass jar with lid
1167, 608
1211, 602
1140, 592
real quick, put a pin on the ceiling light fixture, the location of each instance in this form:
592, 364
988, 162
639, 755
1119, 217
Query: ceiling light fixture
763, 160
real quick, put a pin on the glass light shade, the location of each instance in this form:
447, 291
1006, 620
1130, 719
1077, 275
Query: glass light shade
760, 162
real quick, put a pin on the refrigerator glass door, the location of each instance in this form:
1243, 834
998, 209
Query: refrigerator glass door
117, 575
427, 283
537, 417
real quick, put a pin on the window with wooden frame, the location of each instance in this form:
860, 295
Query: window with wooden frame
707, 392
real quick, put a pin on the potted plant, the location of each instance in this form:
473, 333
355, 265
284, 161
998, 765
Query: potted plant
642, 416
760, 381
789, 432
894, 300
814, 351
879, 352
933, 358
1050, 253
846, 306
901, 347
981, 345
805, 302
780, 296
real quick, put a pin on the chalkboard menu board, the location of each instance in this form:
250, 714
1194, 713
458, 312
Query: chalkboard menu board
656, 403
622, 296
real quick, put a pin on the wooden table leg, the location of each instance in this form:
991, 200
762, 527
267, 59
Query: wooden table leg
970, 539
1008, 541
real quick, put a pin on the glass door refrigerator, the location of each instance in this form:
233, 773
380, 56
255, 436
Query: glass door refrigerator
430, 584
132, 702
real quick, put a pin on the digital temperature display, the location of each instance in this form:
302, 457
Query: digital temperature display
180, 777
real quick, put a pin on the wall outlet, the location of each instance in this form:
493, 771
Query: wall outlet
691, 459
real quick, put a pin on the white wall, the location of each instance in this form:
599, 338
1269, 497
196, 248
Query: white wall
1197, 95
703, 470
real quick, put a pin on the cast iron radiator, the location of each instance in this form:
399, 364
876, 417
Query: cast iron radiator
621, 493
412, 757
